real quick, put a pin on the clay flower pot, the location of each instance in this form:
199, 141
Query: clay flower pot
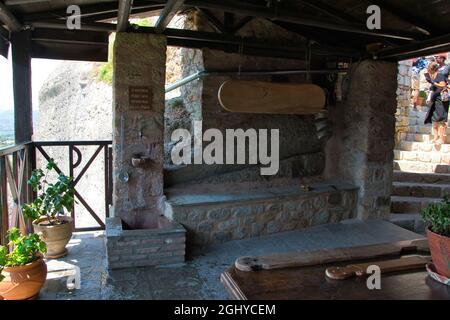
23, 282
55, 237
440, 252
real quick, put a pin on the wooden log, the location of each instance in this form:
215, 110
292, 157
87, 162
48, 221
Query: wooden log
309, 258
271, 98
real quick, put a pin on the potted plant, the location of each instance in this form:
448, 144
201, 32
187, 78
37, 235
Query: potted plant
47, 210
22, 270
437, 215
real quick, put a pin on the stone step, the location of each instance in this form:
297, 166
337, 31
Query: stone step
424, 129
410, 204
423, 146
420, 167
422, 156
417, 137
419, 113
428, 178
418, 109
409, 221
415, 189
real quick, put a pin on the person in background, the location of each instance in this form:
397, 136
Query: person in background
444, 68
438, 112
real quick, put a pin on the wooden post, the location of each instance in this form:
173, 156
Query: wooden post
21, 62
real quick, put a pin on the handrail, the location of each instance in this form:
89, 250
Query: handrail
72, 143
18, 161
11, 149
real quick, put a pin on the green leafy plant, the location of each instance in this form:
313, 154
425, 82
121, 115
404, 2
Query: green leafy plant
26, 249
437, 215
52, 198
423, 94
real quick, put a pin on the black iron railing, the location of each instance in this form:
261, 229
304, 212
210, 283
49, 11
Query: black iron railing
17, 163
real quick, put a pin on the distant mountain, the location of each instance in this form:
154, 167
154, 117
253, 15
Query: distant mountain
7, 123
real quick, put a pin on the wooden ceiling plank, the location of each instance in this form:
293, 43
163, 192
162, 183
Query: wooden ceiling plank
123, 15
330, 11
169, 11
9, 19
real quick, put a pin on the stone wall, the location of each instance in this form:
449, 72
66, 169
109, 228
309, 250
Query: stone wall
218, 218
297, 133
361, 149
404, 98
138, 127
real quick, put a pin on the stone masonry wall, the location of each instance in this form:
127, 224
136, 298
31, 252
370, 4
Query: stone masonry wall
222, 221
138, 132
404, 92
297, 133
361, 150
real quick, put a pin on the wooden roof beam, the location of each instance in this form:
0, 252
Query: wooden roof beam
95, 12
123, 15
169, 11
399, 14
427, 47
330, 11
213, 21
199, 39
288, 16
4, 33
19, 2
9, 19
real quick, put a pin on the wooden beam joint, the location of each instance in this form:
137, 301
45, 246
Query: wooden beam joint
169, 11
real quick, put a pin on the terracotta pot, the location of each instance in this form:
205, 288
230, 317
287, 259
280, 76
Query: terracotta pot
23, 282
440, 252
55, 237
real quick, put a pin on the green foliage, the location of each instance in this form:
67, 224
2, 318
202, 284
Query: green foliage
144, 23
105, 72
438, 216
52, 198
26, 249
177, 103
423, 94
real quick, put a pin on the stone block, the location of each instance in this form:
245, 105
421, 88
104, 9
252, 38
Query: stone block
144, 247
335, 199
273, 227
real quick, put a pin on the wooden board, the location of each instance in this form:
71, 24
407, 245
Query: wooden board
386, 266
308, 258
306, 283
271, 98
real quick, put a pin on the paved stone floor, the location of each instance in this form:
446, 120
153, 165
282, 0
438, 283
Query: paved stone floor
199, 277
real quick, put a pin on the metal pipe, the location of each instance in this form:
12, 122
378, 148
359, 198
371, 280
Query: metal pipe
201, 74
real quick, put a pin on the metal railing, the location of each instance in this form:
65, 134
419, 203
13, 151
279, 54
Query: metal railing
17, 163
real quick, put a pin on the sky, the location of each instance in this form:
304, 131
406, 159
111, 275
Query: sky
40, 70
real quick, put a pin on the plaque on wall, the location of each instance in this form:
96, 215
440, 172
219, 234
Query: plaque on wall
140, 98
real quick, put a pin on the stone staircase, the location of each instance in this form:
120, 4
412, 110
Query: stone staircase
421, 172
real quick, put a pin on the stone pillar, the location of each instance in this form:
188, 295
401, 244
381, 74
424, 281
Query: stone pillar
138, 130
361, 150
